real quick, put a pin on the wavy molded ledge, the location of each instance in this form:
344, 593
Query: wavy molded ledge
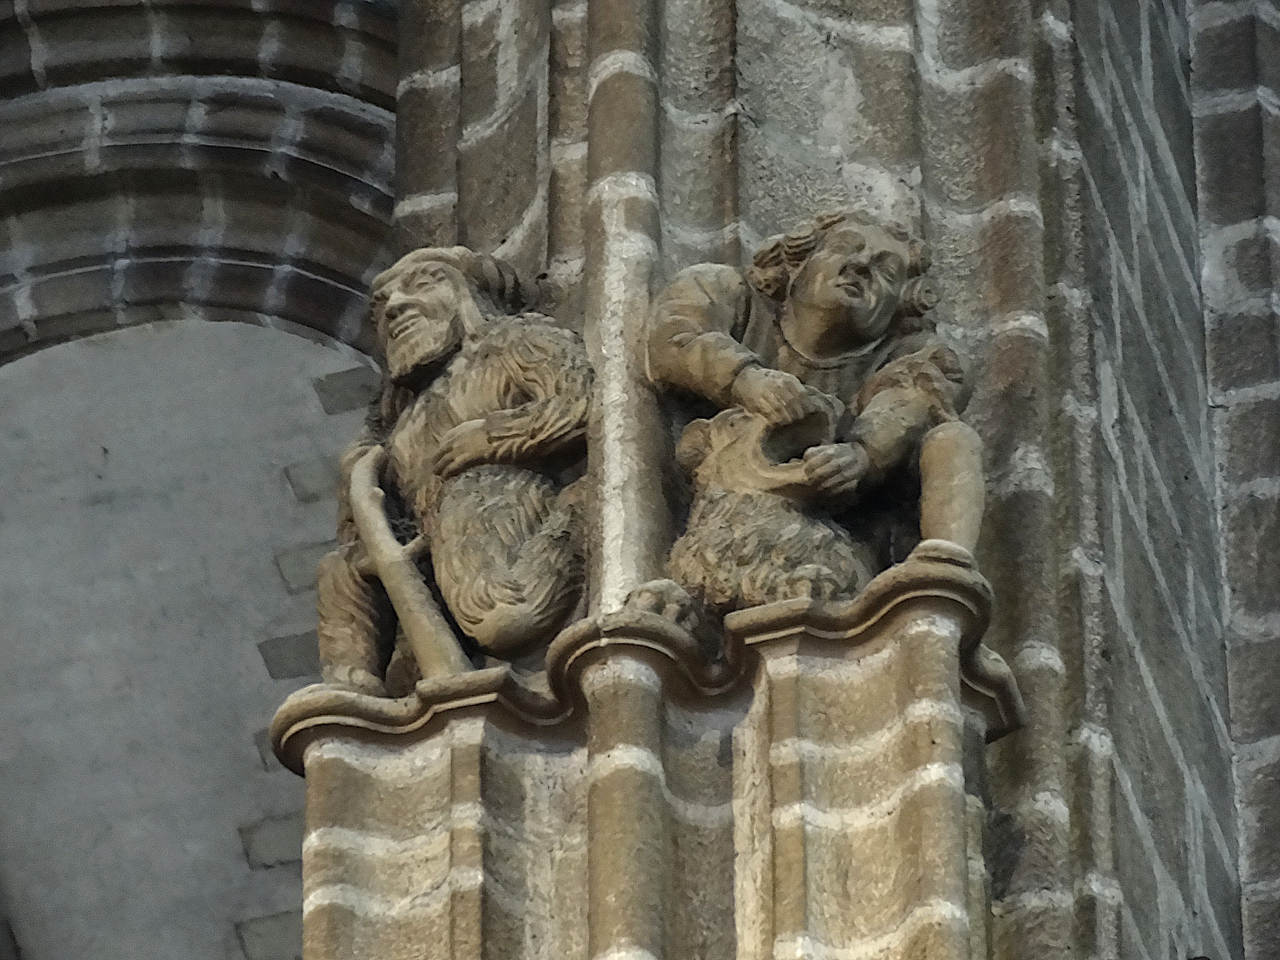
921, 585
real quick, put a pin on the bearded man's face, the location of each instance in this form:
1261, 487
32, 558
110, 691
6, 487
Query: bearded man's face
419, 322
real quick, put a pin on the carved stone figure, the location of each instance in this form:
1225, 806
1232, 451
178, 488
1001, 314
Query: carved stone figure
837, 423
459, 504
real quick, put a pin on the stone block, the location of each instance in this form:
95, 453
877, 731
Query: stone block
1244, 350
1267, 56
217, 41
1251, 440
287, 658
1261, 925
969, 33
273, 841
242, 116
87, 289
12, 340
480, 53
429, 33
1255, 708
1229, 150
274, 937
878, 133
262, 742
83, 323
1247, 263
1252, 537
348, 389
1271, 159
321, 302
15, 64
1224, 54
498, 177
1259, 802
133, 115
974, 157
347, 141
297, 565
567, 90
157, 281
314, 479
108, 43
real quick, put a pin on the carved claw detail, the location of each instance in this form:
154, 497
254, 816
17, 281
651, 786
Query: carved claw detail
669, 600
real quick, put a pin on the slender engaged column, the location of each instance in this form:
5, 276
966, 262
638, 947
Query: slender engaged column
621, 230
629, 856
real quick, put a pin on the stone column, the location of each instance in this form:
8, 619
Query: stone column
621, 230
629, 843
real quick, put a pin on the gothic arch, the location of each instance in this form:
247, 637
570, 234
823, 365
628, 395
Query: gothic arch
212, 158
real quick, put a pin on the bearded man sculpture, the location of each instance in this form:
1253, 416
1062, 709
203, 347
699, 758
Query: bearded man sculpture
463, 488
837, 448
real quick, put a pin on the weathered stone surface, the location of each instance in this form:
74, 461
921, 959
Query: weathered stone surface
277, 936
273, 841
314, 479
291, 656
297, 564
349, 390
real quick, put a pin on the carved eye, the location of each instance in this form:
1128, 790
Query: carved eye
889, 264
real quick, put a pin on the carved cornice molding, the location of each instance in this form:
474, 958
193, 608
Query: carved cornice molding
922, 586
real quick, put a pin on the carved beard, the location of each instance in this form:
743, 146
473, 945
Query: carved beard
416, 343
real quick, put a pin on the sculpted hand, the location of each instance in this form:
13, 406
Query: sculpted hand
778, 397
836, 469
464, 446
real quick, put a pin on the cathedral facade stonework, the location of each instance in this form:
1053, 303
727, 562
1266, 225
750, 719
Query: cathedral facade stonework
817, 499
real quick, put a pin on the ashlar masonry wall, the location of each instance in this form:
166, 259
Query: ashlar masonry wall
1173, 825
1236, 79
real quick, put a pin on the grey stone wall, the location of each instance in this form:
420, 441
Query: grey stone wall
154, 617
1236, 54
1173, 833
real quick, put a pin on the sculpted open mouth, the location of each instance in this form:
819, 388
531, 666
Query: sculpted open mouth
855, 288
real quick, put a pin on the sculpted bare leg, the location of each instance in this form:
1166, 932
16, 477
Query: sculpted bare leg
952, 489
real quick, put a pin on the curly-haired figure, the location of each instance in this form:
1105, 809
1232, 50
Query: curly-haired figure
833, 313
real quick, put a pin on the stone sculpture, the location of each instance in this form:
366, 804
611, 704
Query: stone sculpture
827, 420
458, 506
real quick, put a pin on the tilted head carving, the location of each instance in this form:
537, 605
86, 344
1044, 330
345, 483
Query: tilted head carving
430, 300
847, 276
